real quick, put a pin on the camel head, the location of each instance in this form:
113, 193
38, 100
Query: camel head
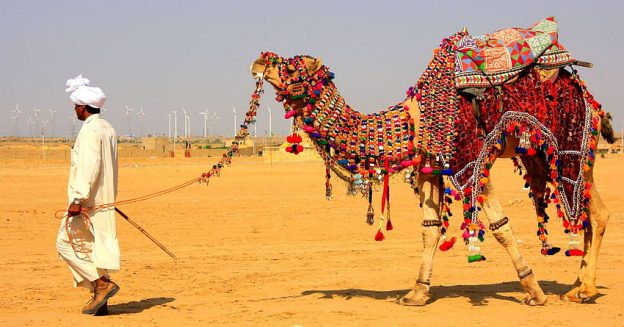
293, 78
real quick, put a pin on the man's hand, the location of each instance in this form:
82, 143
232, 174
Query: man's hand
74, 209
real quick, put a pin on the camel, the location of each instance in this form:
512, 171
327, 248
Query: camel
402, 140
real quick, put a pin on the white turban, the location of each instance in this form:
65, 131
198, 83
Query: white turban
83, 94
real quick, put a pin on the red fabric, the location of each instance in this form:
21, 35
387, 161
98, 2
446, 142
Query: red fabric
558, 105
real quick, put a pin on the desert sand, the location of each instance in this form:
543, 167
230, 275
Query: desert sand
261, 246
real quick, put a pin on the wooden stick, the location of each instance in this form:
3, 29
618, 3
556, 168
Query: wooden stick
162, 247
583, 64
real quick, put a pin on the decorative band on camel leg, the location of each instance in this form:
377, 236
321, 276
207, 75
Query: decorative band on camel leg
498, 224
524, 272
431, 223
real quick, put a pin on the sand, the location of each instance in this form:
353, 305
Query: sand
261, 246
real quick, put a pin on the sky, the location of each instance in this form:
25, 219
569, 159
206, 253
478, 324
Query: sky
170, 55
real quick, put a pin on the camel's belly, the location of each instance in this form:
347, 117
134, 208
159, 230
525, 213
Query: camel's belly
510, 147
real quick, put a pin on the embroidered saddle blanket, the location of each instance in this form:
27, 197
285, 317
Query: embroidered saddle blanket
493, 59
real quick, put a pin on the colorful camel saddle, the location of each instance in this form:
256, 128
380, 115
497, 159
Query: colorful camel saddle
493, 59
553, 115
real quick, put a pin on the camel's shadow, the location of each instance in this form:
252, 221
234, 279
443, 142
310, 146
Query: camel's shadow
137, 306
477, 294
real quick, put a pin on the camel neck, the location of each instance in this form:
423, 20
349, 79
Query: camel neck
359, 141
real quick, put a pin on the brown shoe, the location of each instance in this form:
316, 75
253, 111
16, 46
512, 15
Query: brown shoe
103, 310
104, 289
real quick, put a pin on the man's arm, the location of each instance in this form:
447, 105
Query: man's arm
87, 170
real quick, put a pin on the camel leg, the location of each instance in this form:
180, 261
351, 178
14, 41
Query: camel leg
430, 194
501, 229
585, 285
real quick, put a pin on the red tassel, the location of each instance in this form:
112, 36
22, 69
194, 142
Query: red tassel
389, 225
379, 236
447, 245
574, 253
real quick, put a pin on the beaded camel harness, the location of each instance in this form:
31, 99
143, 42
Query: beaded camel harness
365, 149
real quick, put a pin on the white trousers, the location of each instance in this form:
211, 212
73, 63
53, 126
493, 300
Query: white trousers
79, 256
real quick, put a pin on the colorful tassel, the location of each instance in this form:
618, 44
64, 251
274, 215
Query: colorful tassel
379, 236
448, 244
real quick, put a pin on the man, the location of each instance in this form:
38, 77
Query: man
87, 239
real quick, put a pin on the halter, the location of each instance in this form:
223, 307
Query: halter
294, 88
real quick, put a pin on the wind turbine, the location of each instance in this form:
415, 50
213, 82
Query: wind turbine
129, 115
43, 130
270, 121
36, 121
214, 122
205, 114
141, 115
17, 112
175, 130
13, 120
187, 123
235, 125
52, 112
30, 122
72, 127
169, 116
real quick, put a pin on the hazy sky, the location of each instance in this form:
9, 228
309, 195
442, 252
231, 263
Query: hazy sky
168, 55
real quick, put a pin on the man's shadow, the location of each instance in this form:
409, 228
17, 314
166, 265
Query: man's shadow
137, 306
477, 294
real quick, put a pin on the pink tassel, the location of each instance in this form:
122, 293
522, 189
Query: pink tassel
290, 114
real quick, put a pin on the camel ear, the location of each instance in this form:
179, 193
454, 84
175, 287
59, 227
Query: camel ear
314, 64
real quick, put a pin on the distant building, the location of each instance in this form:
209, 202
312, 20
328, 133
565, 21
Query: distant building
155, 143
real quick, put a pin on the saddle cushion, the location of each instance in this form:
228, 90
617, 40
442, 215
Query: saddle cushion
493, 59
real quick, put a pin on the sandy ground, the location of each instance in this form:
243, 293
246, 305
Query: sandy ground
262, 246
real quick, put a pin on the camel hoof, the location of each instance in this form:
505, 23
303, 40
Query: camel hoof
411, 303
530, 301
414, 299
578, 296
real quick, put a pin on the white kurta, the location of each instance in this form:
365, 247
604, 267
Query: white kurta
93, 181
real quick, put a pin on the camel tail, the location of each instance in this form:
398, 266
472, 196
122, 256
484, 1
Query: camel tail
606, 129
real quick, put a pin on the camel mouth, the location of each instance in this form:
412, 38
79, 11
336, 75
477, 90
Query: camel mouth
258, 69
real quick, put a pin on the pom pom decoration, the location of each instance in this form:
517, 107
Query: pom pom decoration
294, 147
574, 253
379, 236
389, 225
448, 244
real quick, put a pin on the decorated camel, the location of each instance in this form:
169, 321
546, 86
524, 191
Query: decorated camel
510, 94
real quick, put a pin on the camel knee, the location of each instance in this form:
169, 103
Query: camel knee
599, 222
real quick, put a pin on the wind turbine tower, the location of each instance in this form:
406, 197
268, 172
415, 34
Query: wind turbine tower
52, 112
214, 122
129, 115
17, 112
205, 114
36, 120
141, 115
169, 116
270, 121
235, 124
